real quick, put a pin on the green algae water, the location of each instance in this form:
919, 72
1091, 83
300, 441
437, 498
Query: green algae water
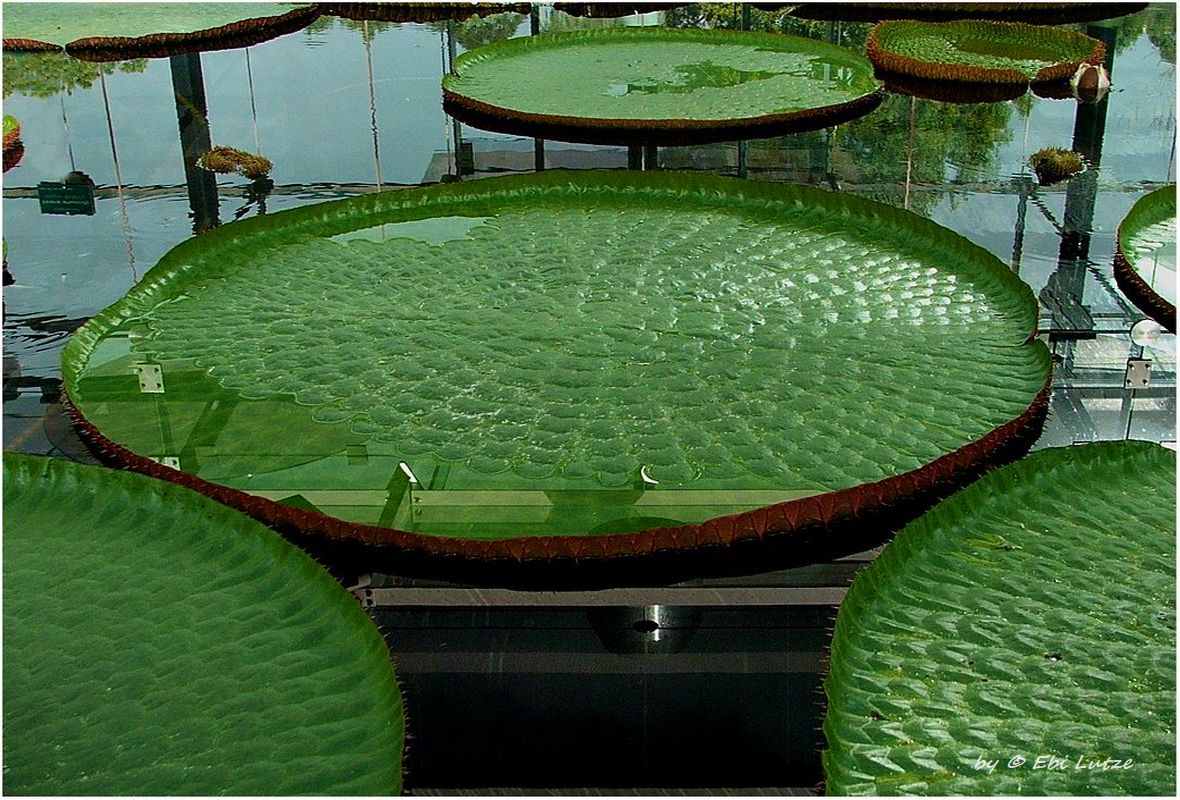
562, 353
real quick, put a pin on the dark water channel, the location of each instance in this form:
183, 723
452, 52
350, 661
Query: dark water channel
716, 683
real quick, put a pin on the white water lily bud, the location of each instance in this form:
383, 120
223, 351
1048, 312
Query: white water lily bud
1090, 83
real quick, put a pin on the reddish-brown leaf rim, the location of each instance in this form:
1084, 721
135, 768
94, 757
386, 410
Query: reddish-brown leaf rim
19, 45
888, 61
959, 92
664, 133
793, 532
242, 33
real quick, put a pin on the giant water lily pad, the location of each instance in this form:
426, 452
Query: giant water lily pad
157, 643
1031, 615
534, 366
1145, 260
111, 31
980, 52
659, 86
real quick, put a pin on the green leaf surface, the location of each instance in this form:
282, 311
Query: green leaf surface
1027, 49
661, 74
158, 643
1147, 237
61, 23
560, 332
1031, 614
10, 124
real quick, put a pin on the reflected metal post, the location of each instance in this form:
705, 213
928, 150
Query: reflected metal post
1063, 293
372, 102
538, 144
192, 116
456, 126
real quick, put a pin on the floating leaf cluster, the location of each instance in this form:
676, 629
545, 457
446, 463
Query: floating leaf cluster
1032, 613
1053, 165
227, 160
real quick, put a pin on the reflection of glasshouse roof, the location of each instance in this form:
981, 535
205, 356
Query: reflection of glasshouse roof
157, 643
554, 355
659, 85
1032, 614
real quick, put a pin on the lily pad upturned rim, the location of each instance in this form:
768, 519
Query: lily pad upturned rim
1145, 298
242, 33
659, 132
1036, 13
797, 531
849, 663
889, 61
233, 532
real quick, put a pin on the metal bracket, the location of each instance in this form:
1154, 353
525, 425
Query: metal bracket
1138, 373
151, 378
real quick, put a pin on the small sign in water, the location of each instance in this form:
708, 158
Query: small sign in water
65, 198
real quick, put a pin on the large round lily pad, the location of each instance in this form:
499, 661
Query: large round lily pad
157, 643
1031, 616
1145, 259
556, 355
659, 86
113, 31
980, 52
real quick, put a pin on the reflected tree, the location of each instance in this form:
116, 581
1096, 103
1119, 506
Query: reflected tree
326, 23
950, 142
477, 31
48, 74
